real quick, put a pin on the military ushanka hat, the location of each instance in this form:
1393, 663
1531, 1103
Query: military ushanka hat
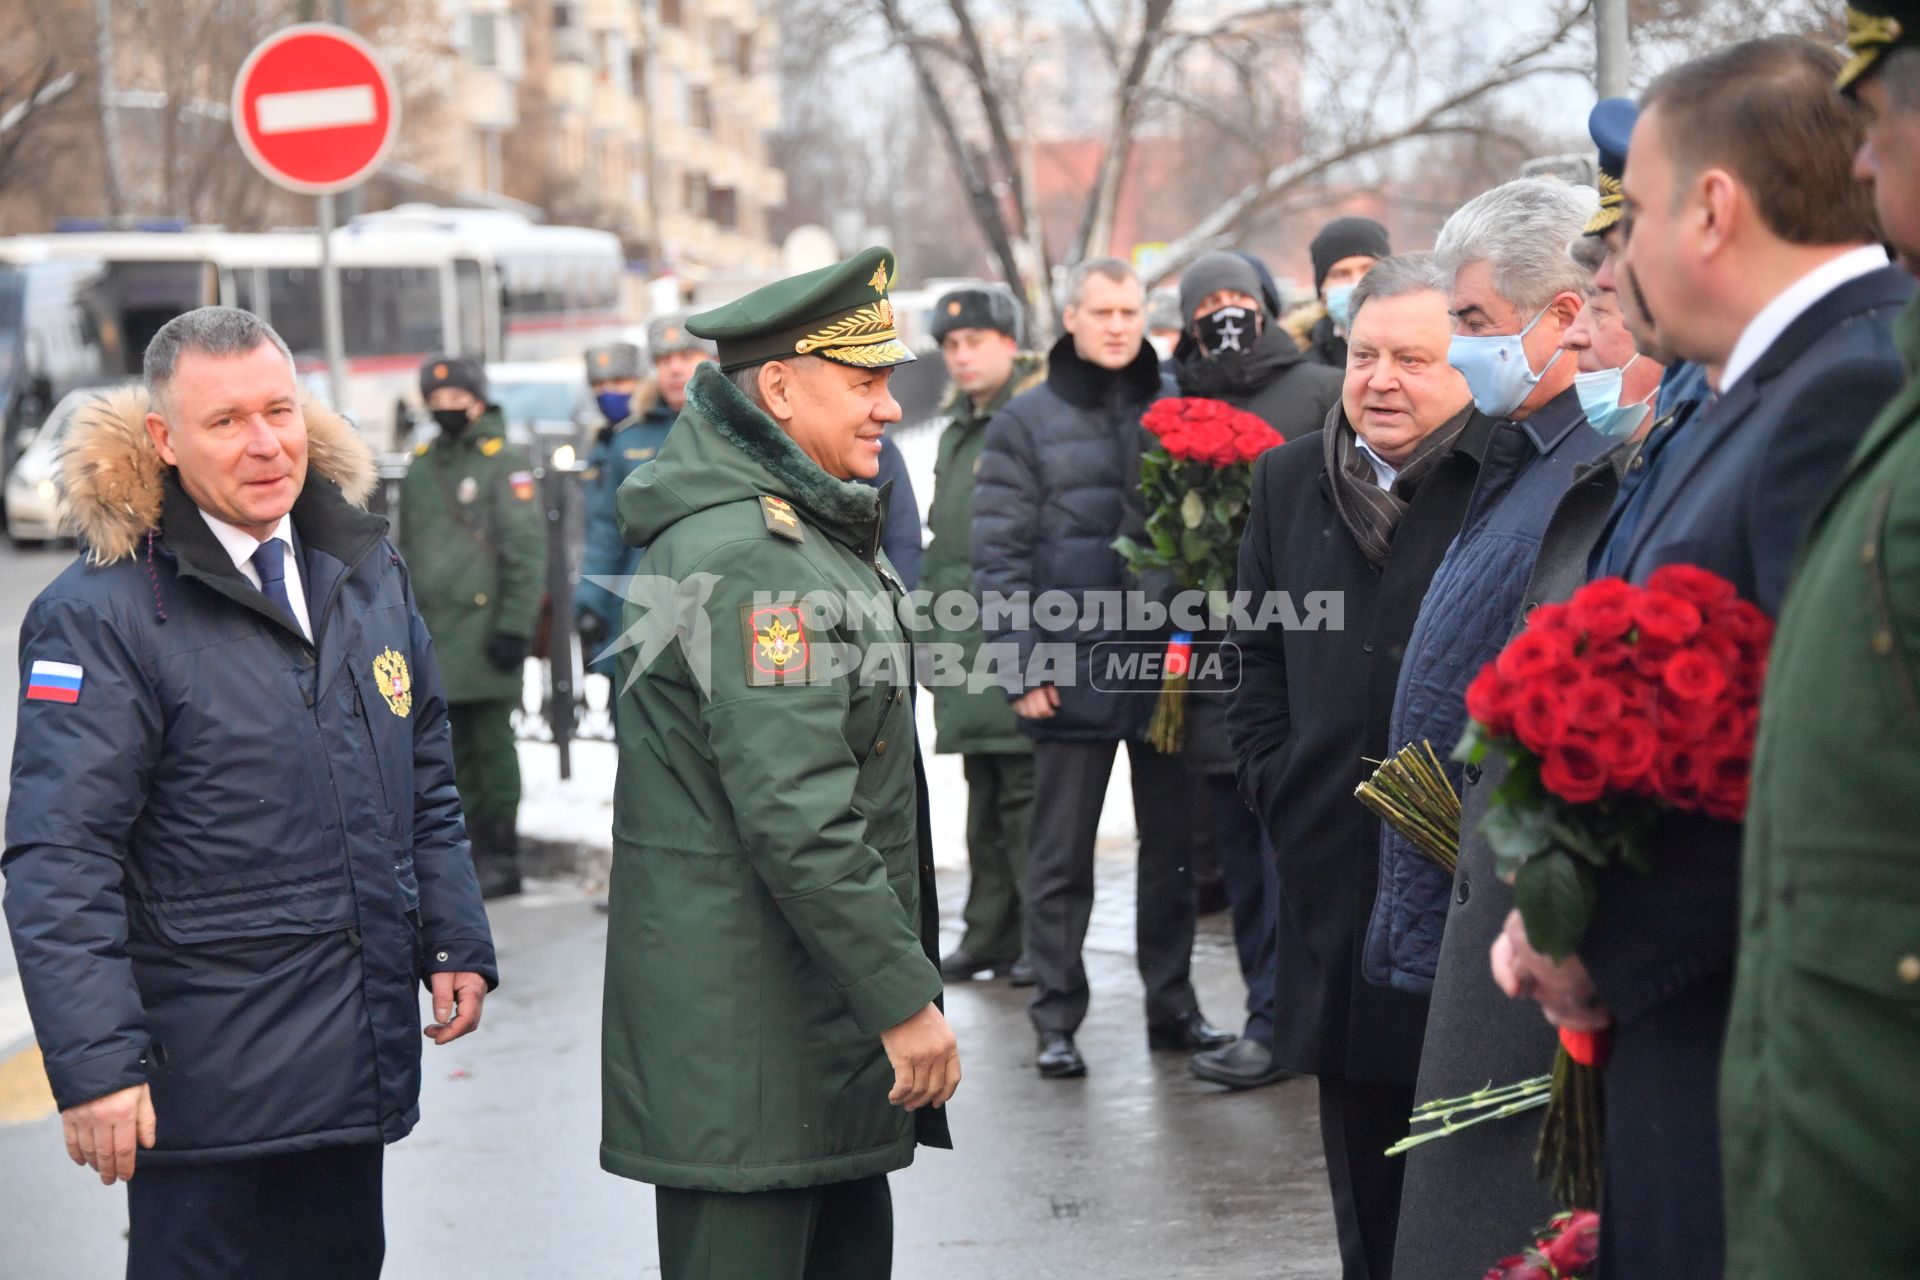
667, 334
447, 370
1876, 28
614, 362
976, 307
840, 313
1610, 125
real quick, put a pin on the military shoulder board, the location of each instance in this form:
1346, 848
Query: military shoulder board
782, 522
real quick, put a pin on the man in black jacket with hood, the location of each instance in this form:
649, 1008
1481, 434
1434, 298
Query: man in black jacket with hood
1233, 350
1058, 482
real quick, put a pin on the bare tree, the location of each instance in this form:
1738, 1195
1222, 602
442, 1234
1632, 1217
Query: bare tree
25, 101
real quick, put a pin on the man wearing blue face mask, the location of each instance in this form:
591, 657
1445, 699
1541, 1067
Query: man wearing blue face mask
1514, 293
639, 415
1343, 252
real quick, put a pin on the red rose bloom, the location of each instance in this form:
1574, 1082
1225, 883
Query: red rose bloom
1535, 653
1684, 721
1691, 583
1574, 771
1577, 1248
1538, 717
1695, 675
1666, 618
1606, 656
1490, 701
1630, 747
1746, 622
1516, 1267
1592, 704
1679, 775
1550, 617
1725, 777
1603, 608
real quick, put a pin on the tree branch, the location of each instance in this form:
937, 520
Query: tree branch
1096, 228
1233, 212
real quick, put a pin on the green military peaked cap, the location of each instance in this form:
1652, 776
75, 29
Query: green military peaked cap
1874, 29
839, 313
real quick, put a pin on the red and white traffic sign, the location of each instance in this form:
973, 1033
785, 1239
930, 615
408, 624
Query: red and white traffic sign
314, 109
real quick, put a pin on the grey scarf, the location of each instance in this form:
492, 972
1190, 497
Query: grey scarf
1371, 513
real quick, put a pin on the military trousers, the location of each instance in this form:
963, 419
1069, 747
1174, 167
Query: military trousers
999, 813
840, 1231
486, 765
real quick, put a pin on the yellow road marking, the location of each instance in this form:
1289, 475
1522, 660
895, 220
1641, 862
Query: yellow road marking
25, 1094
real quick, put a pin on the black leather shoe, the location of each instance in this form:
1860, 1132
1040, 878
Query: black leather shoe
1058, 1059
1022, 974
1244, 1064
964, 966
1189, 1032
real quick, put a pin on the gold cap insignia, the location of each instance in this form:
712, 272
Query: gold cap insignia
396, 686
953, 308
673, 335
1868, 36
603, 359
439, 371
879, 281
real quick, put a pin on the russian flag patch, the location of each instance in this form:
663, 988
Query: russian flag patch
54, 682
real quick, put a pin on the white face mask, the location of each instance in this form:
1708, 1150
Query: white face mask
1496, 368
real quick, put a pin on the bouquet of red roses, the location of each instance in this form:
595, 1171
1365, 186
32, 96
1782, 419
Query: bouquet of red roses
1621, 705
1568, 1249
1197, 479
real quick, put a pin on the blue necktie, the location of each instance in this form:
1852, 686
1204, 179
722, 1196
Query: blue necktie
270, 562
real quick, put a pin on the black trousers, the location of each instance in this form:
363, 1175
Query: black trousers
1252, 877
1358, 1122
1070, 785
841, 1231
311, 1216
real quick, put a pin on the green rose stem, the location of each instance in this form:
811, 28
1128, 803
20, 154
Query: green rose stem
1479, 1107
1572, 1138
1168, 728
1412, 794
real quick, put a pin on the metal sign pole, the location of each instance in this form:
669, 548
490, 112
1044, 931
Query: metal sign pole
330, 310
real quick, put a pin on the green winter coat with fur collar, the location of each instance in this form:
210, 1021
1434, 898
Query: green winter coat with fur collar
771, 889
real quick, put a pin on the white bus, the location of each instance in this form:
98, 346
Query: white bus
415, 280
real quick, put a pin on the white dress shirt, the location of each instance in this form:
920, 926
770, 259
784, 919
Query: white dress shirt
1384, 472
1793, 302
241, 545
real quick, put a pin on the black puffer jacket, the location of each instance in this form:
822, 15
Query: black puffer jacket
1277, 381
1059, 480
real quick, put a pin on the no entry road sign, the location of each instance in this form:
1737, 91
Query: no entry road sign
313, 108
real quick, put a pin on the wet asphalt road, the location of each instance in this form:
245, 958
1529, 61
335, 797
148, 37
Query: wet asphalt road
1138, 1172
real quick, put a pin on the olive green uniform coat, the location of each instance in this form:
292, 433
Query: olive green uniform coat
771, 893
1819, 1121
978, 720
473, 533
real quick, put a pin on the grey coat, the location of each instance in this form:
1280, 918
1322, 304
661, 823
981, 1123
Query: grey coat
1472, 1198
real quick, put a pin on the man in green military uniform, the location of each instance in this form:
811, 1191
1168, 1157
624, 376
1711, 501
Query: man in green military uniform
1820, 1134
772, 1045
474, 539
978, 330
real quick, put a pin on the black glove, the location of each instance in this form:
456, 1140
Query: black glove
505, 652
593, 632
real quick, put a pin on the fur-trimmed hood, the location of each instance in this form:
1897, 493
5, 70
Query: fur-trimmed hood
112, 479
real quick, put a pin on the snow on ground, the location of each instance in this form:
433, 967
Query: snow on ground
580, 810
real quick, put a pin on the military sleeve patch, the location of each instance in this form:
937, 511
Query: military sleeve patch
522, 483
491, 445
782, 520
777, 647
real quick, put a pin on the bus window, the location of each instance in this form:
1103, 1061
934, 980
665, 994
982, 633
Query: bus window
470, 303
145, 295
389, 311
293, 297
